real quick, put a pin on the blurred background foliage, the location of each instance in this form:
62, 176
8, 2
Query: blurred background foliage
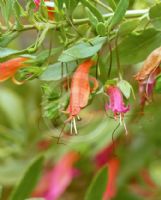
31, 121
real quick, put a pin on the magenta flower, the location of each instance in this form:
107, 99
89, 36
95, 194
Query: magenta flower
116, 103
55, 181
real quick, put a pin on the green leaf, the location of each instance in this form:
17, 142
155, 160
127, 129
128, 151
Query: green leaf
43, 55
119, 13
97, 186
28, 181
71, 5
60, 4
128, 26
54, 72
101, 29
155, 16
112, 4
125, 88
92, 17
6, 52
82, 50
93, 9
135, 48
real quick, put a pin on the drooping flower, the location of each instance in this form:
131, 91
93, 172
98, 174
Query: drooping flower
80, 90
146, 77
49, 7
116, 103
55, 181
10, 67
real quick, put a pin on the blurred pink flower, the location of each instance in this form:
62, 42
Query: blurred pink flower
111, 188
116, 103
106, 157
55, 181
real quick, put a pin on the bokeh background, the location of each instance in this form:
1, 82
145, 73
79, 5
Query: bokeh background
26, 132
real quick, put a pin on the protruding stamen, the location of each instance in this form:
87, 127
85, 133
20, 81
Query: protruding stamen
126, 131
75, 126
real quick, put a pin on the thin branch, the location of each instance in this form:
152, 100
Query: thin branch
129, 14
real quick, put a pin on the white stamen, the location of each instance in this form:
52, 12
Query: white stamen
126, 131
75, 127
71, 127
120, 119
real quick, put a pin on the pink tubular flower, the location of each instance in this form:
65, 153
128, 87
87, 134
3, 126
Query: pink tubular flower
116, 103
55, 181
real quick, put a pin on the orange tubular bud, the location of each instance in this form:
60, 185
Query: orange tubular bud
80, 89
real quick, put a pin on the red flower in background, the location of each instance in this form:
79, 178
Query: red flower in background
113, 168
116, 103
10, 67
50, 9
106, 158
54, 182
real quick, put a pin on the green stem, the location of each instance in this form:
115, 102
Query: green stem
129, 14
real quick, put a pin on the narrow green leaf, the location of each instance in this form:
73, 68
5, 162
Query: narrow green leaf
119, 13
82, 50
54, 72
28, 181
92, 17
97, 186
93, 9
112, 4
71, 5
60, 4
6, 52
43, 55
